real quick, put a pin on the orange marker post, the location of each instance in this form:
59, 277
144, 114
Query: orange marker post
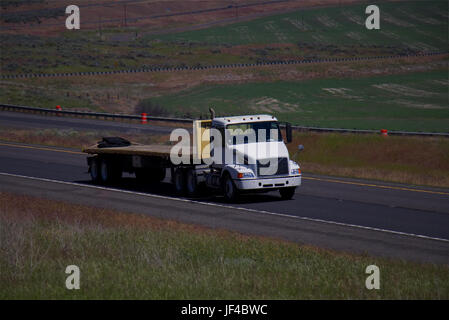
143, 119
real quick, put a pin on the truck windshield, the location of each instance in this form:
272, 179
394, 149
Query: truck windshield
241, 133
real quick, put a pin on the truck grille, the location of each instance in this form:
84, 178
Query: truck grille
263, 169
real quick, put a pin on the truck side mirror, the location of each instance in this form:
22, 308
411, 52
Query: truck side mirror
288, 132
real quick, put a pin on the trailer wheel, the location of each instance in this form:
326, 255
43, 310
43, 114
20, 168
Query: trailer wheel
191, 183
287, 193
94, 170
179, 181
231, 193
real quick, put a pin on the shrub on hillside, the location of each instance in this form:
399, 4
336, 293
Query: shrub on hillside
150, 108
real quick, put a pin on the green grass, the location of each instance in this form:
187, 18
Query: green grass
418, 25
127, 256
410, 102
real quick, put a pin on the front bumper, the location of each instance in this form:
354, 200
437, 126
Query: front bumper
268, 183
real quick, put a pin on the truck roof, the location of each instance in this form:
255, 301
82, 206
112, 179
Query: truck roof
222, 121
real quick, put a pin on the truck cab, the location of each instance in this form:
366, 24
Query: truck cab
249, 155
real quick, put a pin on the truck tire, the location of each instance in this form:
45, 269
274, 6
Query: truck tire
109, 172
159, 174
94, 170
179, 181
191, 183
231, 193
150, 175
287, 193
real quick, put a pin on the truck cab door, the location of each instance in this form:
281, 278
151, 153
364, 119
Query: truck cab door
217, 147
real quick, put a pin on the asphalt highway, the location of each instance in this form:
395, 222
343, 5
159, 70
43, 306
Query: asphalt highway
377, 218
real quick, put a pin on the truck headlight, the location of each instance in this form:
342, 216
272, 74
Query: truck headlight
295, 171
241, 175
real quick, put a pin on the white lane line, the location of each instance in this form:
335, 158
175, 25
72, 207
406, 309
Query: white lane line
228, 207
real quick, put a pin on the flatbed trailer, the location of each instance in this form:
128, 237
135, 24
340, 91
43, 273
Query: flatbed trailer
148, 162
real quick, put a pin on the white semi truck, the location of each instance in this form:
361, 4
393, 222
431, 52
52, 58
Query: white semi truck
230, 155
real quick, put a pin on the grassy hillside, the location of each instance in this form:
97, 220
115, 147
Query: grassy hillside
406, 27
411, 102
417, 25
417, 101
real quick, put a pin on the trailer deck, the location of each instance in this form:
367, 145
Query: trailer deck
143, 150
158, 150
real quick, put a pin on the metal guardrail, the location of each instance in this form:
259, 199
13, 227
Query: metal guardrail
114, 116
361, 131
219, 66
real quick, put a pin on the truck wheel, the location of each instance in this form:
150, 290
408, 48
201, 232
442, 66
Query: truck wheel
108, 172
287, 193
231, 193
179, 181
94, 170
191, 183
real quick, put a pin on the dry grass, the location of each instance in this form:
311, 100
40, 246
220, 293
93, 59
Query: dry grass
411, 160
129, 256
73, 138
